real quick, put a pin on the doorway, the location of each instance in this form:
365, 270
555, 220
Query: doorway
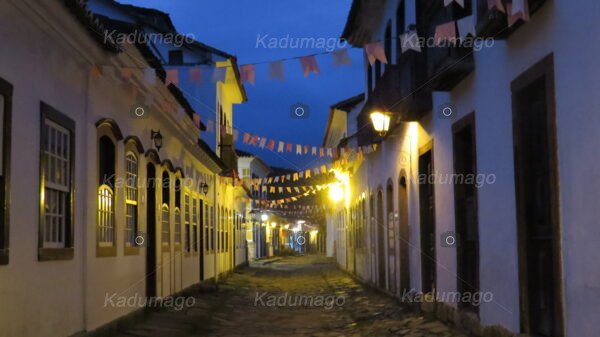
391, 231
536, 179
404, 234
381, 256
427, 215
151, 230
465, 209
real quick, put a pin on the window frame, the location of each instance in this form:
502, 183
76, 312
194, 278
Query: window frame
131, 248
109, 129
6, 90
67, 252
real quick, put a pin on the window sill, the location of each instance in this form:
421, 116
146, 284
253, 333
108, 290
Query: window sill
132, 250
55, 254
106, 251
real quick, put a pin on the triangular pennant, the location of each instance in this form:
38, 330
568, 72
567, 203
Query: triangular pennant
410, 41
172, 76
341, 57
375, 52
309, 65
466, 27
276, 71
445, 32
247, 73
195, 75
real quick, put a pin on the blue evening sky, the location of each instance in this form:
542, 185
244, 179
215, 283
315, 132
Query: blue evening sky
234, 26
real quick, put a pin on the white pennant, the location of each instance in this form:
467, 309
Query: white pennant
466, 26
410, 41
460, 2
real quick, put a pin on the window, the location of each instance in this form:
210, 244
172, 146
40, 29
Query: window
5, 122
206, 222
188, 242
131, 199
108, 135
177, 230
106, 212
166, 232
165, 223
175, 57
195, 224
56, 227
177, 227
246, 172
212, 228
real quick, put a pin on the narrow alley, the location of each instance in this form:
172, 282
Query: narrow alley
280, 297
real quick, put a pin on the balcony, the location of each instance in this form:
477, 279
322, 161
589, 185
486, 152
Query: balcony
447, 64
492, 23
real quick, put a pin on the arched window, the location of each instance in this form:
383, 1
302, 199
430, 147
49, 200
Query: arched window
131, 199
165, 223
106, 197
187, 219
106, 217
166, 230
195, 224
177, 212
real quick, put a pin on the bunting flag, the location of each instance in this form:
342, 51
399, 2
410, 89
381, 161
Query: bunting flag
218, 74
460, 2
410, 41
341, 57
247, 73
280, 147
309, 65
466, 27
276, 71
518, 10
497, 4
445, 32
196, 119
172, 76
195, 75
271, 145
210, 126
150, 76
375, 52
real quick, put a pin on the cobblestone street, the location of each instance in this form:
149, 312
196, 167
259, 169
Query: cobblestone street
241, 307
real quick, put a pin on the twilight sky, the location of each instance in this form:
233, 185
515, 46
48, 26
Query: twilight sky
234, 27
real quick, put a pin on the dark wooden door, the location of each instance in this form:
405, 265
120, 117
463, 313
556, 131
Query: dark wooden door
537, 203
465, 210
404, 235
150, 231
427, 213
381, 256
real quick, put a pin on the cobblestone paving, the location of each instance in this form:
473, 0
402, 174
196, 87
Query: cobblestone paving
241, 307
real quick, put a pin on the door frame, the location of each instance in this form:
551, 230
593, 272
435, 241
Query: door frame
543, 68
428, 147
151, 251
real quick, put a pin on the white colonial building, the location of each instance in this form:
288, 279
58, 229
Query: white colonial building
523, 228
94, 203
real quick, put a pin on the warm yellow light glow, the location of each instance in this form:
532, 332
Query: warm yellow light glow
286, 226
273, 224
381, 121
336, 192
264, 217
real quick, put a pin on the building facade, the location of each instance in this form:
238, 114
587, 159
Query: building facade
96, 207
510, 117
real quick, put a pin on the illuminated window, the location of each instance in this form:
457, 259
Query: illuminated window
106, 216
194, 225
177, 227
186, 206
166, 230
131, 198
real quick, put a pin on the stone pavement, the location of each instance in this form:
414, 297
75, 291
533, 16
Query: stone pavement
294, 296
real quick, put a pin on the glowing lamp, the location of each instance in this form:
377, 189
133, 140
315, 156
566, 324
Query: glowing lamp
380, 121
264, 217
336, 193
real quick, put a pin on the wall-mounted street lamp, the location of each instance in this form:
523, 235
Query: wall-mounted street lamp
157, 138
380, 121
264, 217
336, 192
204, 187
